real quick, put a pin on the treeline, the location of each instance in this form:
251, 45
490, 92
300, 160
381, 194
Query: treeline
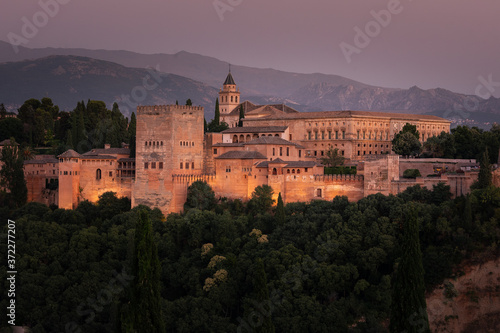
324, 266
40, 124
462, 142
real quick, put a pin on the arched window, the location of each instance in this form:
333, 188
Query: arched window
287, 170
293, 170
98, 174
319, 193
235, 139
242, 138
275, 172
298, 171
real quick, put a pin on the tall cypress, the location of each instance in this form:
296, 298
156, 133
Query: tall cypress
217, 113
280, 211
408, 308
484, 179
12, 175
261, 294
131, 134
143, 312
242, 115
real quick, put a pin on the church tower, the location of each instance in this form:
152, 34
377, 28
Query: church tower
229, 96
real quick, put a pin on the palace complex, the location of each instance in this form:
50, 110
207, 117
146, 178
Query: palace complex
276, 146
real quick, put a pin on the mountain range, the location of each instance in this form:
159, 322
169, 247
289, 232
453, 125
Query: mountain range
70, 75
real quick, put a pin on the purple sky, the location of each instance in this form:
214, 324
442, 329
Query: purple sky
428, 43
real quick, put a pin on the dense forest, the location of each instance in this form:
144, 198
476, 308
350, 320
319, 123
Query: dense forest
227, 265
231, 266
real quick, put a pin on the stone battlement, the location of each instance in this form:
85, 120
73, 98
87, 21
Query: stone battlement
333, 178
157, 109
192, 178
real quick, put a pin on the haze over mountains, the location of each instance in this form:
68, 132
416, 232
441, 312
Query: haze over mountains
70, 75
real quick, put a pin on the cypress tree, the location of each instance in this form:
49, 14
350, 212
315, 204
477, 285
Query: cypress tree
242, 115
217, 113
408, 308
69, 140
12, 175
280, 211
3, 111
189, 102
143, 313
484, 179
261, 295
131, 134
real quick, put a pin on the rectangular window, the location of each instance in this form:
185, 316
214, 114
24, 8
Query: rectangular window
111, 173
343, 134
281, 151
274, 151
309, 135
290, 137
322, 135
358, 135
153, 165
187, 165
342, 153
160, 165
65, 173
322, 153
329, 134
192, 165
146, 165
182, 165
316, 135
215, 151
315, 153
336, 134
300, 153
287, 151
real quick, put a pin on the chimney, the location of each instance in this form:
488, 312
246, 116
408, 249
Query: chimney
107, 146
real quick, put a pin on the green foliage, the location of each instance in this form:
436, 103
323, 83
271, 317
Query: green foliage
485, 178
262, 199
143, 313
408, 308
280, 211
442, 145
132, 134
11, 128
189, 102
340, 170
12, 175
411, 173
216, 125
328, 268
332, 158
242, 115
200, 196
406, 142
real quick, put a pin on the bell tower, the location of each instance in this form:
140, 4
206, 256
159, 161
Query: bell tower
229, 96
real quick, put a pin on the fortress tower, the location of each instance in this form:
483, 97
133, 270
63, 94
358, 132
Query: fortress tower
229, 96
169, 142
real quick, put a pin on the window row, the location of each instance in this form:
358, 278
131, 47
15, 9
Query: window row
375, 152
376, 145
66, 173
185, 165
153, 143
329, 123
153, 165
186, 143
293, 171
224, 99
364, 136
281, 151
326, 135
320, 153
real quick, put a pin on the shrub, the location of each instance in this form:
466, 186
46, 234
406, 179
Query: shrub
411, 173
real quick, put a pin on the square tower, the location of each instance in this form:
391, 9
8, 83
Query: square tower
169, 142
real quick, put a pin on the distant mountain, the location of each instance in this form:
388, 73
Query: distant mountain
211, 71
305, 92
68, 79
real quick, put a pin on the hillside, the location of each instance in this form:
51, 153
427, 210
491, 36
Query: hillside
305, 92
68, 79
